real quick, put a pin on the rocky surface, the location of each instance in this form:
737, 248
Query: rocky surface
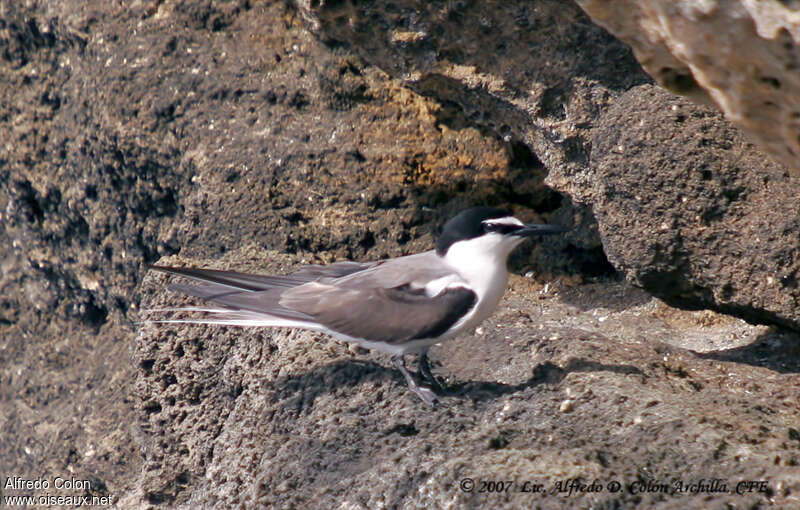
703, 204
705, 235
229, 133
594, 381
537, 75
741, 56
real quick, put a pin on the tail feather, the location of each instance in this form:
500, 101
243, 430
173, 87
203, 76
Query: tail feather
186, 309
256, 296
244, 299
234, 279
230, 318
208, 292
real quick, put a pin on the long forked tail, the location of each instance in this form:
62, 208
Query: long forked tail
241, 299
234, 279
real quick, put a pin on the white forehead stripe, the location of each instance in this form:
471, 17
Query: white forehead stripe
507, 220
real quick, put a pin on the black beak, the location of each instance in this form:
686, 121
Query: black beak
532, 229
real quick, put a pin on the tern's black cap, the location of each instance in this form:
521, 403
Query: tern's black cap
467, 224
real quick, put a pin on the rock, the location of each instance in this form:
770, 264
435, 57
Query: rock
511, 91
224, 133
566, 406
274, 419
132, 134
741, 56
535, 76
688, 210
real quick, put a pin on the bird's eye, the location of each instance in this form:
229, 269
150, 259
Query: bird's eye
499, 228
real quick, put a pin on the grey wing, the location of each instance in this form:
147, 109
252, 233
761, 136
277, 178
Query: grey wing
424, 266
265, 302
392, 315
221, 280
415, 271
313, 272
372, 300
252, 292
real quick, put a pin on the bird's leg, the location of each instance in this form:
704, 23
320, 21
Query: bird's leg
425, 370
426, 394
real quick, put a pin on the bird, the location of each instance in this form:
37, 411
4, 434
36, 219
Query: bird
398, 306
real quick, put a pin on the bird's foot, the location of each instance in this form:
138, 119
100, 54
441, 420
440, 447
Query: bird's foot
427, 394
425, 370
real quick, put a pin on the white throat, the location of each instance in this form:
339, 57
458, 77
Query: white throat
481, 262
479, 258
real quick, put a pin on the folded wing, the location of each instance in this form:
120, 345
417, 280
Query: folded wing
392, 315
345, 298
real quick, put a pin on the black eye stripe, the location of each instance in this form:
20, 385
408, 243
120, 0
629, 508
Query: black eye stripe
501, 228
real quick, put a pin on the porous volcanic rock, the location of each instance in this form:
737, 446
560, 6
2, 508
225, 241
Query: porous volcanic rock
589, 384
692, 212
742, 56
536, 74
224, 133
134, 132
464, 56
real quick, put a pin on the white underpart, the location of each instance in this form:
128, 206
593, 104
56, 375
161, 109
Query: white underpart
413, 346
481, 263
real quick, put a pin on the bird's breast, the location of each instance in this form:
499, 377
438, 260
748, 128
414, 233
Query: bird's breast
489, 288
